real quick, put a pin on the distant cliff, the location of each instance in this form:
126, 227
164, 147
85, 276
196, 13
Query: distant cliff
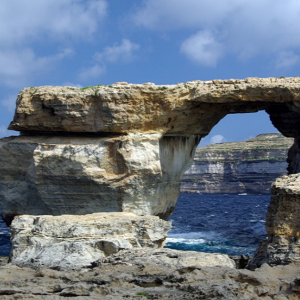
240, 167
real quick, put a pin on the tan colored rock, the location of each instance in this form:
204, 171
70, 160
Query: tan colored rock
191, 108
283, 227
125, 147
82, 175
72, 242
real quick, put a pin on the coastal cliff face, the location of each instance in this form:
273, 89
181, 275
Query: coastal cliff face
82, 175
282, 225
125, 147
240, 167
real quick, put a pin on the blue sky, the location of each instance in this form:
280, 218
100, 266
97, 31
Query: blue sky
90, 42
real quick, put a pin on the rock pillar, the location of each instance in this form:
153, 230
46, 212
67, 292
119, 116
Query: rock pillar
283, 224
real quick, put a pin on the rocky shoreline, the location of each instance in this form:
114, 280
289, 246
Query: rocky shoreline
152, 274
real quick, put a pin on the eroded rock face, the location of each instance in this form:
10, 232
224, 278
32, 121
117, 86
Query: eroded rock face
72, 242
283, 227
125, 147
238, 167
139, 169
78, 175
191, 108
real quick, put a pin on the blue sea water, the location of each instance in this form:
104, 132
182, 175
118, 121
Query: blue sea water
5, 244
232, 224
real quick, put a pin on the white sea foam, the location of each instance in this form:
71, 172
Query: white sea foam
186, 241
192, 237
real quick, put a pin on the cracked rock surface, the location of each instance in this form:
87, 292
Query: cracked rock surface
153, 274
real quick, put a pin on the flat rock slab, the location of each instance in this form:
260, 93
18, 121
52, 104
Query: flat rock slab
190, 108
72, 242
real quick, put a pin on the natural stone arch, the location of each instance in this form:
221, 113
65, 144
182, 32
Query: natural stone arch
130, 144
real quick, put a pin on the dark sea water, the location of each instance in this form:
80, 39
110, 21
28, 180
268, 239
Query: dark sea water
5, 244
232, 224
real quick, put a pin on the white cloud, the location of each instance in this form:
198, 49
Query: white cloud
29, 28
21, 20
176, 14
19, 65
203, 48
246, 28
122, 52
218, 138
92, 72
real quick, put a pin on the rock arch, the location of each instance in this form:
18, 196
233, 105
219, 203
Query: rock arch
125, 147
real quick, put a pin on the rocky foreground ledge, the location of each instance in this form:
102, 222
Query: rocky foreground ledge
153, 274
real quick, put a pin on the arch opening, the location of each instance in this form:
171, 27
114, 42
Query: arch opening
228, 186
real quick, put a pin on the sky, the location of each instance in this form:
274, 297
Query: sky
90, 42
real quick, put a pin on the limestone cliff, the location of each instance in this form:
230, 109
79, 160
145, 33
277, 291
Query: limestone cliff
241, 167
125, 147
82, 175
283, 228
182, 109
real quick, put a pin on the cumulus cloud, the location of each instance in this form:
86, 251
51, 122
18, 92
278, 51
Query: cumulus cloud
22, 21
92, 72
177, 14
203, 48
239, 27
218, 138
123, 52
26, 27
19, 65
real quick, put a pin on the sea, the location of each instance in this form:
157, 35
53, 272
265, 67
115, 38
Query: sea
232, 224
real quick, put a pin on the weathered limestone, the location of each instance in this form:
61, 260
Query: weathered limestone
82, 175
283, 226
124, 148
155, 128
238, 167
191, 108
73, 242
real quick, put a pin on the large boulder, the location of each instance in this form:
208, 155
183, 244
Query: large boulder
72, 242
